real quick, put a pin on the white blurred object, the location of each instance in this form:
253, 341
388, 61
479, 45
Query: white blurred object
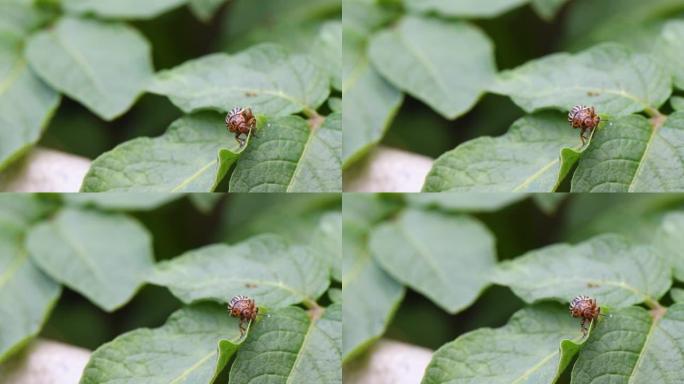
45, 170
45, 362
388, 170
388, 362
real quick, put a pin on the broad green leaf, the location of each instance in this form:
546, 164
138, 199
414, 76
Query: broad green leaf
669, 239
292, 346
465, 202
26, 103
671, 50
192, 156
104, 66
609, 77
265, 268
547, 9
27, 295
535, 155
635, 347
193, 346
18, 211
446, 64
205, 9
105, 257
327, 242
534, 347
428, 251
677, 295
121, 9
677, 103
464, 8
608, 267
327, 52
364, 16
370, 101
335, 104
631, 155
289, 155
375, 295
19, 17
266, 78
335, 295
121, 201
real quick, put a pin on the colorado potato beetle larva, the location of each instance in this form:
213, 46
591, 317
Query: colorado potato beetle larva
585, 118
240, 121
585, 308
243, 308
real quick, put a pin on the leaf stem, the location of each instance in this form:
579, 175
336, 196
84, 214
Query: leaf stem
653, 112
653, 304
311, 304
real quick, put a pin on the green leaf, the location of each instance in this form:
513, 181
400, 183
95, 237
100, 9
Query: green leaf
265, 77
335, 295
465, 202
292, 346
649, 348
265, 268
193, 346
608, 267
677, 103
375, 295
121, 201
669, 239
26, 103
418, 250
121, 9
631, 155
192, 156
326, 52
27, 295
290, 156
547, 9
448, 80
670, 48
677, 295
327, 242
105, 257
464, 8
609, 77
370, 100
535, 155
104, 66
19, 211
534, 347
205, 9
205, 202
19, 17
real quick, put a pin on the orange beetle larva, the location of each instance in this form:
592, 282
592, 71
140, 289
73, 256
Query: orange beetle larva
585, 308
584, 118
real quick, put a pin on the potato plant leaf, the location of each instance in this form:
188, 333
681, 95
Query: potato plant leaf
265, 268
192, 156
447, 79
465, 202
427, 251
105, 257
121, 9
19, 17
464, 8
648, 345
609, 77
669, 239
677, 295
535, 155
193, 346
547, 9
26, 103
292, 346
670, 48
677, 103
327, 242
104, 66
633, 155
375, 295
265, 77
327, 52
608, 267
205, 9
534, 347
289, 155
125, 201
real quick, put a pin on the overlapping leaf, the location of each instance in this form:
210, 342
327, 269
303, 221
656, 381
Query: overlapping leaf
547, 9
534, 156
609, 268
192, 156
266, 78
128, 201
609, 77
105, 66
193, 346
327, 242
441, 76
26, 103
121, 9
632, 155
19, 17
464, 8
292, 346
671, 50
291, 156
465, 202
327, 52
265, 268
634, 347
428, 251
105, 257
534, 347
669, 239
205, 9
